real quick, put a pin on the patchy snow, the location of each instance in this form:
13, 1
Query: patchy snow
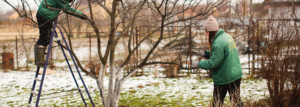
16, 86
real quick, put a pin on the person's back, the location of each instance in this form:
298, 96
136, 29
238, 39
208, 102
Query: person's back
224, 63
50, 9
229, 68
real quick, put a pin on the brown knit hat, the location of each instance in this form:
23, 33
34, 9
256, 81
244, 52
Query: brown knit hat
211, 24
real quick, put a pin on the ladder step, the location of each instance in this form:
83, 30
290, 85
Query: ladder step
57, 39
30, 105
35, 92
63, 95
37, 79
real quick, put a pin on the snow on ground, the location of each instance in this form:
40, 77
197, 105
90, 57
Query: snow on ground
16, 86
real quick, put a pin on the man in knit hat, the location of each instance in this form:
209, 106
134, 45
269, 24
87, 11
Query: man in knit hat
223, 62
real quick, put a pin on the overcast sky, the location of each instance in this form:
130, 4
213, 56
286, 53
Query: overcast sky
4, 7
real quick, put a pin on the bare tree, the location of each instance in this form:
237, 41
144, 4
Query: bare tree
163, 11
125, 15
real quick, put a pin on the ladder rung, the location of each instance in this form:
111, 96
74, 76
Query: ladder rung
35, 92
57, 39
63, 95
30, 105
37, 79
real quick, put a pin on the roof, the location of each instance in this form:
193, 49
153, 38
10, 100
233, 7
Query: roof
281, 2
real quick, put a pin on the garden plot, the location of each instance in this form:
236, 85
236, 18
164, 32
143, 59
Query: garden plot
144, 90
15, 86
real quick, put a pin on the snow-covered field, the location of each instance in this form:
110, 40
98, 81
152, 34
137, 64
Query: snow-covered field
15, 86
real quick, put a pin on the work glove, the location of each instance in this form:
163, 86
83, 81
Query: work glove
201, 53
84, 17
195, 64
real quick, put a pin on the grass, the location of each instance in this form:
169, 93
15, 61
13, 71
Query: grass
133, 98
142, 97
158, 101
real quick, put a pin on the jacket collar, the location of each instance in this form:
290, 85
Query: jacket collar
220, 32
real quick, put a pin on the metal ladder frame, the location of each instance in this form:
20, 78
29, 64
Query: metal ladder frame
45, 67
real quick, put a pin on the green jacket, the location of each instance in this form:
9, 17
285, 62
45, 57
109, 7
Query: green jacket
54, 7
224, 61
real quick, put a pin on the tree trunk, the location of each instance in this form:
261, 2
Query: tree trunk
100, 83
111, 44
112, 99
118, 88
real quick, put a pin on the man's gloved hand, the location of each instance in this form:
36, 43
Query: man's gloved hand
84, 17
201, 53
195, 64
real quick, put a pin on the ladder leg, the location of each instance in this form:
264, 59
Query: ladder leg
41, 84
76, 68
72, 72
34, 83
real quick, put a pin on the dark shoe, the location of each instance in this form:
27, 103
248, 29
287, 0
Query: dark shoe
39, 54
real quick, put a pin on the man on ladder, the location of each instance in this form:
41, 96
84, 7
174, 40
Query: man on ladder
47, 12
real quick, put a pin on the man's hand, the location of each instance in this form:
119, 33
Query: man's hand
84, 17
195, 64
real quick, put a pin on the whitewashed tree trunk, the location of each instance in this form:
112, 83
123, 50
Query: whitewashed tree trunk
111, 86
112, 99
100, 84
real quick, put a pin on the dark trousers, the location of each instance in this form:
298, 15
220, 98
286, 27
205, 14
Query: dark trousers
45, 27
233, 89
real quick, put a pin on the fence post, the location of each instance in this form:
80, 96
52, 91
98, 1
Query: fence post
137, 42
90, 47
51, 57
176, 70
17, 52
190, 47
258, 41
248, 50
134, 56
155, 72
254, 50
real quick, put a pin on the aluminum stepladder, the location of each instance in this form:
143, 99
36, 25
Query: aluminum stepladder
33, 92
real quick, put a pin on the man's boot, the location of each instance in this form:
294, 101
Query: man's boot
39, 54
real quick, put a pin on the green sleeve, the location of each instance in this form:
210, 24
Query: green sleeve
63, 4
217, 57
207, 54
